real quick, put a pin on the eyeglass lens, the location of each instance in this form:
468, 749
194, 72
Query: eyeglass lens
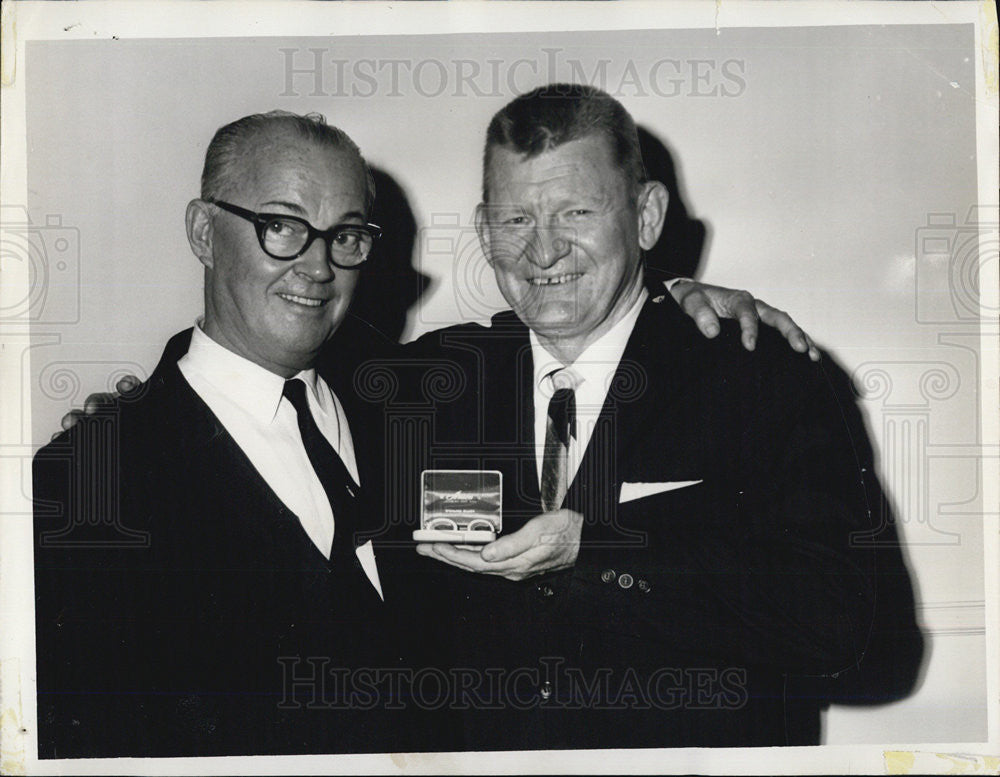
286, 237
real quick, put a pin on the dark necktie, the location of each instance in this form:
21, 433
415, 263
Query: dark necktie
337, 482
559, 427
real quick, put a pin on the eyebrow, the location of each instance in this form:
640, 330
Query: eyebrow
354, 214
284, 204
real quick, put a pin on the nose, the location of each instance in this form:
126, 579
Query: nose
549, 245
315, 262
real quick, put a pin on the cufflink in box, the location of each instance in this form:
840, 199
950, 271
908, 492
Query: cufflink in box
460, 505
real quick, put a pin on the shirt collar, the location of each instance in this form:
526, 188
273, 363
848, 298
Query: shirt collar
252, 388
598, 360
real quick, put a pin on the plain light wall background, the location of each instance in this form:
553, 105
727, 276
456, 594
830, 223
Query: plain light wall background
835, 173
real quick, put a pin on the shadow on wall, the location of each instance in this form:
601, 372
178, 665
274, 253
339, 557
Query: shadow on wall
389, 285
684, 241
892, 661
896, 653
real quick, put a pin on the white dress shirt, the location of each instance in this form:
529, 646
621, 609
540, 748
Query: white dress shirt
592, 373
247, 399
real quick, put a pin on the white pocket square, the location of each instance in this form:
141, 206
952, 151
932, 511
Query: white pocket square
632, 491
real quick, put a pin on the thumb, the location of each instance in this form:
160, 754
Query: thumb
127, 384
508, 546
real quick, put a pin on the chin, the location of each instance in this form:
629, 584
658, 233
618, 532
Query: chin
554, 316
305, 342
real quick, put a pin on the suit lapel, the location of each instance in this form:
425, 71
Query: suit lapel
212, 449
647, 384
526, 420
510, 411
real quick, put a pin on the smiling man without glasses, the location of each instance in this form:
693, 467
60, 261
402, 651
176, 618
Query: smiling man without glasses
688, 554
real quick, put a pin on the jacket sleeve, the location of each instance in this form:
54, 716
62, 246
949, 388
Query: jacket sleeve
96, 687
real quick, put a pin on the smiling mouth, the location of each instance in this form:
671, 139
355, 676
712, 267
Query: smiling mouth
555, 280
308, 302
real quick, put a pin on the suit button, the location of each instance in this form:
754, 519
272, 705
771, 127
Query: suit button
644, 586
625, 581
608, 575
546, 690
545, 590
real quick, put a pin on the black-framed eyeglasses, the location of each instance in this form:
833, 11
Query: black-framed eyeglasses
288, 237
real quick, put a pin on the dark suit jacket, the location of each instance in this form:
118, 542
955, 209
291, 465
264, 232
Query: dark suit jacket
713, 614
181, 608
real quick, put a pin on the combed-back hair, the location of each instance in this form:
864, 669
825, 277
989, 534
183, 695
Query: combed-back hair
229, 143
549, 116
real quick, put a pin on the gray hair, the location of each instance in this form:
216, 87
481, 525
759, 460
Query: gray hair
229, 142
549, 116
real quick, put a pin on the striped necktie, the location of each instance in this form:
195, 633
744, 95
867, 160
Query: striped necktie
559, 427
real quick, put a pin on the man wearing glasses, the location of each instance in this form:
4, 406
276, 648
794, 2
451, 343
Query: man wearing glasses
225, 504
246, 485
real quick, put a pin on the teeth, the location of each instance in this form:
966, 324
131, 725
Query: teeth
311, 303
555, 279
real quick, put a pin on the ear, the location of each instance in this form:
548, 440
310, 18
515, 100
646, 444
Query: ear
653, 199
483, 231
198, 220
